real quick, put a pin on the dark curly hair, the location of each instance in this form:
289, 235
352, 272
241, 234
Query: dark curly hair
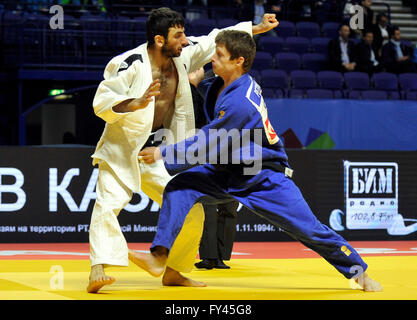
159, 22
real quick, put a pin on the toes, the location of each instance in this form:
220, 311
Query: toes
95, 285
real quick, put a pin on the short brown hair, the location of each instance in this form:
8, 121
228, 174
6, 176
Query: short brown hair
239, 44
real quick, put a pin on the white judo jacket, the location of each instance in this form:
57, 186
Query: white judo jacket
128, 76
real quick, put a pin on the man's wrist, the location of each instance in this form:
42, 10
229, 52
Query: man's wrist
256, 29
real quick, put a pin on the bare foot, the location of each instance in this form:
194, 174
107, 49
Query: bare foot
98, 279
174, 278
148, 262
368, 284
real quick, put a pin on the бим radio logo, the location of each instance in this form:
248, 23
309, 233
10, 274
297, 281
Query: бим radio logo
371, 199
371, 194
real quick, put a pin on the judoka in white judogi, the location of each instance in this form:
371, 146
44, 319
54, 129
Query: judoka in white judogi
120, 174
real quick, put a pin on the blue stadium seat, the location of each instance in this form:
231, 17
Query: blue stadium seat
330, 29
338, 94
394, 95
408, 81
271, 44
412, 95
296, 93
285, 29
353, 94
263, 60
319, 94
308, 29
275, 79
408, 84
298, 45
268, 93
388, 82
374, 95
385, 81
330, 80
320, 45
280, 94
314, 61
255, 74
357, 80
288, 61
303, 79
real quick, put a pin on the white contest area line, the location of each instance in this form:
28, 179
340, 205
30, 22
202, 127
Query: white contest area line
40, 252
241, 254
378, 250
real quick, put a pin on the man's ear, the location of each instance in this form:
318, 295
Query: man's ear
240, 61
159, 41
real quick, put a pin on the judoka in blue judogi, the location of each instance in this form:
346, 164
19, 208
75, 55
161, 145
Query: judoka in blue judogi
256, 173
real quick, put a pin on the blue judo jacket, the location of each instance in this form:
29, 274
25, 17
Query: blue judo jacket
238, 134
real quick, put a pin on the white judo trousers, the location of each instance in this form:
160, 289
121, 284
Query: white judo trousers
108, 245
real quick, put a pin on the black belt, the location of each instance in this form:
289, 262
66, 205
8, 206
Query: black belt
151, 142
278, 167
272, 165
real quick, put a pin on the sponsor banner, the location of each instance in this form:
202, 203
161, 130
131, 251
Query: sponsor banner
371, 194
47, 194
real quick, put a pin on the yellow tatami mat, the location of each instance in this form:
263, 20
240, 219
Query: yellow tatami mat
248, 279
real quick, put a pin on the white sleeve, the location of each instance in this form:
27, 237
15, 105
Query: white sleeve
201, 49
113, 90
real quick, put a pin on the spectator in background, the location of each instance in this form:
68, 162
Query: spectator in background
348, 15
381, 32
303, 10
195, 79
218, 235
368, 19
396, 56
254, 10
341, 51
348, 5
366, 56
220, 220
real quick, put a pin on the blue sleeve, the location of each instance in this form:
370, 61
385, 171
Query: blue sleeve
209, 145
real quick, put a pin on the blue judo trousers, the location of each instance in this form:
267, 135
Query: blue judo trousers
269, 193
